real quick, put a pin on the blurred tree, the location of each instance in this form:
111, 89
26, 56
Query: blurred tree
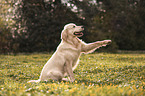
5, 29
39, 24
125, 20
5, 38
92, 13
121, 21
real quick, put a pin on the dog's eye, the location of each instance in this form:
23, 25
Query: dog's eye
74, 26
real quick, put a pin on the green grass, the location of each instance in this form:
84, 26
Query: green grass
101, 74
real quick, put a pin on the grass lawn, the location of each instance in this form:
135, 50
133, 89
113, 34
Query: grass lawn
98, 74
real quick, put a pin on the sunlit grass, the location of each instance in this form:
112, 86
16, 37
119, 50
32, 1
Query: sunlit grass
97, 74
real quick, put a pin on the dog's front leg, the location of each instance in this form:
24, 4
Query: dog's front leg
69, 71
93, 46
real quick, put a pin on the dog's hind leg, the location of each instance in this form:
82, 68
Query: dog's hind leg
55, 75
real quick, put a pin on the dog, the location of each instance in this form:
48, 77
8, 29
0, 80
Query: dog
66, 57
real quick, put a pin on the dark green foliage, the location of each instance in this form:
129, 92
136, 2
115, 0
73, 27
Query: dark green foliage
38, 24
125, 20
42, 23
5, 37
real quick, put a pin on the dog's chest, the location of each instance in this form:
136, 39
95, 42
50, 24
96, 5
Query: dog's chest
70, 51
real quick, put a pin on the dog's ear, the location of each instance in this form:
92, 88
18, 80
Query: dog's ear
64, 35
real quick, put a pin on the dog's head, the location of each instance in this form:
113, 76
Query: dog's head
72, 30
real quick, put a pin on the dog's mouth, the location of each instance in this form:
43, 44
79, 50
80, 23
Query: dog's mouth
78, 34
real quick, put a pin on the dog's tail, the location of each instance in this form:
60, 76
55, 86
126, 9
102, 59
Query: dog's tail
37, 81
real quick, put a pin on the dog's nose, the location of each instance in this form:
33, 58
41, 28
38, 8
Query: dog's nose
82, 27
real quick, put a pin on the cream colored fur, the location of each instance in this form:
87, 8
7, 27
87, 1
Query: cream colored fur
66, 57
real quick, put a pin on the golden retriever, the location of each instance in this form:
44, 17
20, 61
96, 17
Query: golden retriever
66, 57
